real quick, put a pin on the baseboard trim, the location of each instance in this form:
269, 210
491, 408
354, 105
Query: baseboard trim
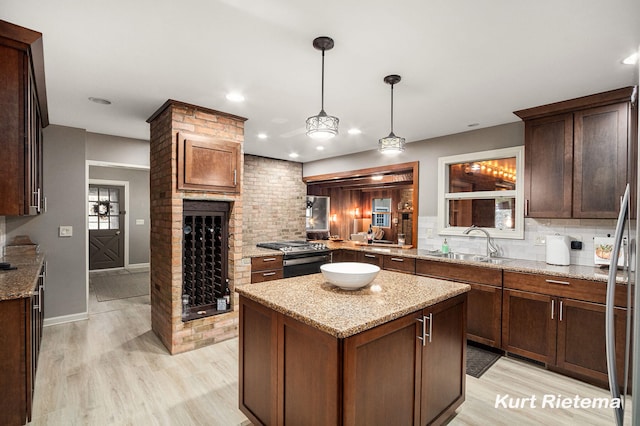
138, 266
65, 319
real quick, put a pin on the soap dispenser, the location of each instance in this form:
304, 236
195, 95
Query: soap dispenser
445, 247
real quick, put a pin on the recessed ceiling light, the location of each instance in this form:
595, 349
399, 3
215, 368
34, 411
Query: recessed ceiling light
235, 97
631, 59
376, 177
354, 131
320, 148
294, 155
100, 101
262, 135
473, 124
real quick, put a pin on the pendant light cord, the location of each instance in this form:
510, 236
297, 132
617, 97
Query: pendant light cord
322, 90
392, 109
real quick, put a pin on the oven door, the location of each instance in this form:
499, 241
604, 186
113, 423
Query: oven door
304, 265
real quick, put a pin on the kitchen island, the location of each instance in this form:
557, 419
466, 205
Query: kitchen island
390, 353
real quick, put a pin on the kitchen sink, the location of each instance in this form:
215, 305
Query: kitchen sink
472, 257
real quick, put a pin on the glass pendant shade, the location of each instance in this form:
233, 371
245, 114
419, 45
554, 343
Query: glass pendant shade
322, 126
391, 144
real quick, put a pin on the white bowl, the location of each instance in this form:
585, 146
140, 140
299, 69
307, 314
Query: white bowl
349, 275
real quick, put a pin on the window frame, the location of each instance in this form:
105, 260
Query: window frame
444, 196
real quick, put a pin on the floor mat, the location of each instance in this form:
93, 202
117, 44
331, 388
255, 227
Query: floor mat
479, 360
121, 286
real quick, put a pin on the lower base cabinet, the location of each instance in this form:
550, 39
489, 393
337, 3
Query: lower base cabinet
566, 334
292, 373
20, 339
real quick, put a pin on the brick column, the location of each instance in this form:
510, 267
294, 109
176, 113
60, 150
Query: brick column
166, 225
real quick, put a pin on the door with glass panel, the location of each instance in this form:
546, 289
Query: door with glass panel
106, 227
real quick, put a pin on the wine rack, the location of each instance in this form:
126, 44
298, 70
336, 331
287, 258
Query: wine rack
204, 259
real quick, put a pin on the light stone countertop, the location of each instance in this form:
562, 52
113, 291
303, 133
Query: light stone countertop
20, 283
592, 273
343, 313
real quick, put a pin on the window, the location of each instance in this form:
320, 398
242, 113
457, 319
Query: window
381, 212
482, 189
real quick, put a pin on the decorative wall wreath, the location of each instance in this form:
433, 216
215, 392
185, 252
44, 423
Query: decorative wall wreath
102, 208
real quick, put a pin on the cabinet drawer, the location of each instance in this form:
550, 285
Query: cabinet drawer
589, 291
398, 263
459, 272
374, 259
261, 276
264, 263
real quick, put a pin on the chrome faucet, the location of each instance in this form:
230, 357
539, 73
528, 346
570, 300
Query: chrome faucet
492, 250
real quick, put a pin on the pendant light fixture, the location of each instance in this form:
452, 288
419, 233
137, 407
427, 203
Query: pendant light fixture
392, 143
322, 126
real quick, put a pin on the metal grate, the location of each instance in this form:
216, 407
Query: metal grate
204, 259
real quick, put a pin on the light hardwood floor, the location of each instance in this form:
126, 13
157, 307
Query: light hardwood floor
112, 370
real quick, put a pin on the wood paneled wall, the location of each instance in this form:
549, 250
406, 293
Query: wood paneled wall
344, 203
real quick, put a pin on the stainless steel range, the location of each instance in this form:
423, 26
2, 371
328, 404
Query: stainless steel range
300, 257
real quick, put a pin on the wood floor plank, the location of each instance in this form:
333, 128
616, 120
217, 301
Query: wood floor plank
113, 370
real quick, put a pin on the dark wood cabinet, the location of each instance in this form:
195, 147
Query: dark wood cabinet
399, 264
600, 159
372, 258
579, 156
266, 268
22, 117
384, 375
342, 255
208, 164
544, 320
548, 170
20, 339
484, 312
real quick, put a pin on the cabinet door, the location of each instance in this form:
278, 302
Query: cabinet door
382, 373
307, 359
581, 339
208, 164
443, 360
258, 362
600, 160
374, 259
529, 325
484, 315
548, 166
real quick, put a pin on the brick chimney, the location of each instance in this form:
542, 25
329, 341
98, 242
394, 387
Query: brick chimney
167, 124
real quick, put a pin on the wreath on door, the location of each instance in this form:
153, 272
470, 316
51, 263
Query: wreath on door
102, 208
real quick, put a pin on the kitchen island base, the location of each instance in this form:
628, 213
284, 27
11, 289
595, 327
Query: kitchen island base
410, 370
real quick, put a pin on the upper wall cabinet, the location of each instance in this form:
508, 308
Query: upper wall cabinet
23, 114
208, 164
579, 155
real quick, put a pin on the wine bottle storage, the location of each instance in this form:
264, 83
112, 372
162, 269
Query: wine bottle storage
204, 259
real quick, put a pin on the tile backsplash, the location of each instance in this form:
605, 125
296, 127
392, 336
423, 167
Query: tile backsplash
532, 247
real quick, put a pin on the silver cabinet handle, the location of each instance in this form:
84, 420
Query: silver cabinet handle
235, 174
38, 307
553, 305
561, 310
370, 255
37, 194
268, 259
426, 336
397, 259
423, 336
558, 282
268, 274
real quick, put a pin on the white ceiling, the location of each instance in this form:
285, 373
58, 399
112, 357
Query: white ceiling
461, 62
